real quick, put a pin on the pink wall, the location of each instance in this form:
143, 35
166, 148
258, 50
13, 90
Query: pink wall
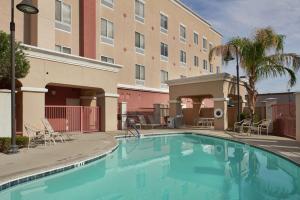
139, 101
58, 95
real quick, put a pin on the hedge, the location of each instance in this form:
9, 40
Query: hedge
21, 141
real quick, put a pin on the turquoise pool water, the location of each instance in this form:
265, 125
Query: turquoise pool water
178, 167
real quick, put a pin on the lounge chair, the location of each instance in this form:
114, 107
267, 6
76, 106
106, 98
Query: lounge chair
265, 125
144, 123
246, 123
36, 136
49, 130
255, 128
152, 121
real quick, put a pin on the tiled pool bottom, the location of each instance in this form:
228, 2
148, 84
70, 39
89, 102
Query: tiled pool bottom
171, 167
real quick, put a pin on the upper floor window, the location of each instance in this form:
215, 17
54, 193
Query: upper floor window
196, 38
183, 57
107, 59
163, 23
62, 15
182, 33
107, 31
140, 42
164, 76
211, 68
204, 43
108, 3
63, 49
140, 72
164, 51
140, 11
205, 64
196, 61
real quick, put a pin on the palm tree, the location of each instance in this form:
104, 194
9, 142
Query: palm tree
261, 56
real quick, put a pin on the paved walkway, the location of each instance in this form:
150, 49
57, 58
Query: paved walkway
89, 145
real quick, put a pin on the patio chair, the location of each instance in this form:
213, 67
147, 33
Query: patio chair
255, 128
152, 121
36, 136
246, 123
50, 130
144, 123
265, 125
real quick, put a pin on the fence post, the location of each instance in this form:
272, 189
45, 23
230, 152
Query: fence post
81, 119
298, 116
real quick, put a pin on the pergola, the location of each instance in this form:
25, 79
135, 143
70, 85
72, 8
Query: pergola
221, 87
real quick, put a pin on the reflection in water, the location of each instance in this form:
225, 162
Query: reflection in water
186, 167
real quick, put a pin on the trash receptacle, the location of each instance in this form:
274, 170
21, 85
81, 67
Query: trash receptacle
171, 122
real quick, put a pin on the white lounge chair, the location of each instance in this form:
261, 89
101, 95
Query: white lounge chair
246, 123
36, 136
144, 123
50, 130
265, 125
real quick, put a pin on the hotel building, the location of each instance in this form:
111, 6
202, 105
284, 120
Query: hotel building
104, 52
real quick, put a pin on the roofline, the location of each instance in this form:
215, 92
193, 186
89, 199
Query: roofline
197, 16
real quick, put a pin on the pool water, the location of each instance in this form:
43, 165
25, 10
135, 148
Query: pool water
178, 167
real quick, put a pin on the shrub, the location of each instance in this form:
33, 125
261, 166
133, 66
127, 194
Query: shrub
21, 141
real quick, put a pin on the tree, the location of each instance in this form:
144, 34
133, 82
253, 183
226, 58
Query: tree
22, 64
261, 56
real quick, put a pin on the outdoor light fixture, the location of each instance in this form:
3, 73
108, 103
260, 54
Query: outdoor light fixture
228, 58
27, 7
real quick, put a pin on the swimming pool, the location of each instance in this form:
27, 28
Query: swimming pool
173, 167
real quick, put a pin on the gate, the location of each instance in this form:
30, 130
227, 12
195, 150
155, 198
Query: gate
284, 120
73, 118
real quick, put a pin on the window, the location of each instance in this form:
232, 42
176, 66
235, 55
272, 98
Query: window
218, 69
63, 49
196, 61
139, 11
182, 57
139, 72
107, 31
107, 59
139, 43
164, 51
163, 23
204, 43
196, 38
164, 76
205, 64
182, 33
211, 68
108, 3
62, 15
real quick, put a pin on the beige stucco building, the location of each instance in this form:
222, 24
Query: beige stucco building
104, 52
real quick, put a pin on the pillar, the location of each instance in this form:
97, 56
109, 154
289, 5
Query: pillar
221, 123
175, 108
109, 109
123, 111
5, 113
298, 116
33, 106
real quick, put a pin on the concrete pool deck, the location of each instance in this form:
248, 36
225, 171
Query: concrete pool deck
41, 158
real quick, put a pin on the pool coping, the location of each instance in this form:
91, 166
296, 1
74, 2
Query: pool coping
27, 178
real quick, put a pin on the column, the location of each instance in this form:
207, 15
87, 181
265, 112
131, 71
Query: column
33, 106
298, 116
222, 122
5, 113
109, 109
123, 107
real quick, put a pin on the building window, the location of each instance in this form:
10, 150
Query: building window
63, 49
182, 33
164, 76
108, 3
62, 16
164, 51
196, 38
107, 31
204, 43
163, 23
211, 68
218, 69
205, 64
182, 57
139, 11
196, 61
107, 59
140, 72
139, 43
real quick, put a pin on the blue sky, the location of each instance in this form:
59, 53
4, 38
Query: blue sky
242, 17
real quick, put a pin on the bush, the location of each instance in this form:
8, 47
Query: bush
21, 141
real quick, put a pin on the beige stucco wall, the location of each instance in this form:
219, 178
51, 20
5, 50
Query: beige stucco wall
125, 26
5, 113
298, 116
